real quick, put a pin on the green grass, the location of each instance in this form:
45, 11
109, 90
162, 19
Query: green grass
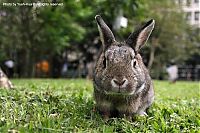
67, 106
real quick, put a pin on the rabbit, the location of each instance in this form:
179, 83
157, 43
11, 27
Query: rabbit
122, 84
4, 81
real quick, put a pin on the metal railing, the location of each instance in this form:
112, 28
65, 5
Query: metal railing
187, 72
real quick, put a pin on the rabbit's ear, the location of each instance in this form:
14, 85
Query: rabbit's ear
138, 38
106, 34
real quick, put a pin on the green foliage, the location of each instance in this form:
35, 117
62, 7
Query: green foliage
68, 106
48, 30
41, 29
171, 38
54, 26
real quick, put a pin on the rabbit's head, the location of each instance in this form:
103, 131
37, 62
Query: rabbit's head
119, 68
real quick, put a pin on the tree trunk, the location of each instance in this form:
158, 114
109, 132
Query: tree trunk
151, 56
152, 52
27, 63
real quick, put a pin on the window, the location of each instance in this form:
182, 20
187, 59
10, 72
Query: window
188, 16
180, 2
188, 2
196, 1
196, 16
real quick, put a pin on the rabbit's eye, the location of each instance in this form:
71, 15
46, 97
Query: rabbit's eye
134, 63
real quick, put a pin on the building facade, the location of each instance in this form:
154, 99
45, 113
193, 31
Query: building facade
192, 10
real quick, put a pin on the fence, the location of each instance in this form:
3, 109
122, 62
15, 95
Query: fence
189, 72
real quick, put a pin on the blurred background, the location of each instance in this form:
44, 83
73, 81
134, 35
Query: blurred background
60, 39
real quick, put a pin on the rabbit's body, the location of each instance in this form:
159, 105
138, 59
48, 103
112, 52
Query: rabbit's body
4, 81
122, 84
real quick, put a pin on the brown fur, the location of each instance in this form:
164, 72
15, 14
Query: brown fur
121, 61
4, 81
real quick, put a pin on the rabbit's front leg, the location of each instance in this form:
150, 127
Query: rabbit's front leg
142, 113
104, 109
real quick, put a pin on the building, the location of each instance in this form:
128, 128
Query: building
192, 10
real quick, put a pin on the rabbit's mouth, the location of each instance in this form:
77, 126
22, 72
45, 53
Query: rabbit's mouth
119, 91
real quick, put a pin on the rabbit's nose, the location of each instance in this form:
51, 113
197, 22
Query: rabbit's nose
119, 83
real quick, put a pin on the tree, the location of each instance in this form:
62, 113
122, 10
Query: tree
169, 40
29, 33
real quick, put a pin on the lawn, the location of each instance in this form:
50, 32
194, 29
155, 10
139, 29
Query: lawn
45, 105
